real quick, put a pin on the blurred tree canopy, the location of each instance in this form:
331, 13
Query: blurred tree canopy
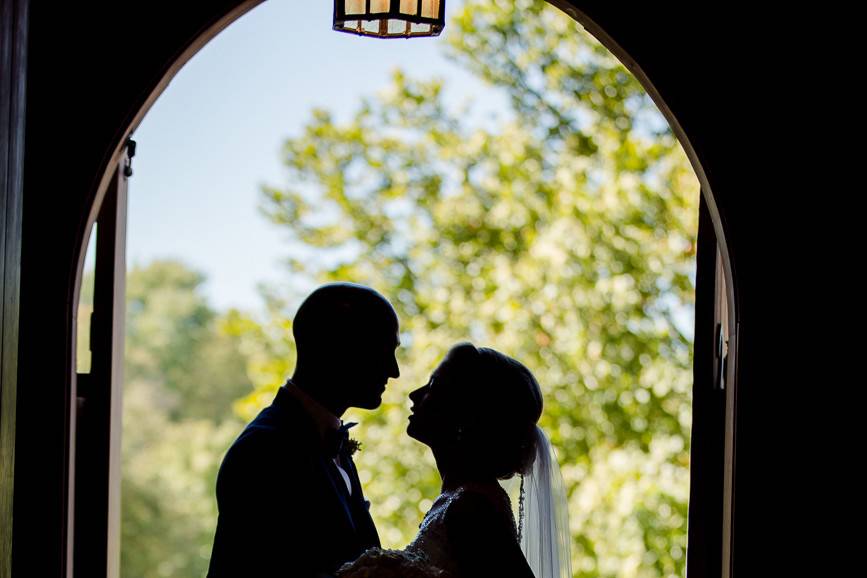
561, 233
182, 373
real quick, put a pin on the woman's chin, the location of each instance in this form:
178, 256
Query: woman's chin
413, 431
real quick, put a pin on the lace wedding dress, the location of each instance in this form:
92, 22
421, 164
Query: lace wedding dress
544, 541
432, 540
431, 553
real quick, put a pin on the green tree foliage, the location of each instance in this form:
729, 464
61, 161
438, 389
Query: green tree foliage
85, 310
182, 373
174, 343
562, 233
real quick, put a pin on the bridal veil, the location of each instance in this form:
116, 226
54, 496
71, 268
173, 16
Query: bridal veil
545, 538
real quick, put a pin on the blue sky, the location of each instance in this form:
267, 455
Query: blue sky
214, 136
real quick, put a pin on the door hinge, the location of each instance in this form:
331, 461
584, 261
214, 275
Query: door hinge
130, 153
722, 357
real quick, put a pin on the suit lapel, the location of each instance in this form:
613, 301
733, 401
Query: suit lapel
362, 506
290, 409
338, 486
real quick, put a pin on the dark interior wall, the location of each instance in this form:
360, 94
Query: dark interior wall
714, 66
92, 65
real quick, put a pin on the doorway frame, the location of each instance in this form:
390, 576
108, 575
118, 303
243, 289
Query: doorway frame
725, 271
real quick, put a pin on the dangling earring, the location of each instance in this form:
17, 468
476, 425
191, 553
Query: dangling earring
521, 510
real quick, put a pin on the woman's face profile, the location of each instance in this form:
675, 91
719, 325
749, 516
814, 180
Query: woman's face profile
434, 406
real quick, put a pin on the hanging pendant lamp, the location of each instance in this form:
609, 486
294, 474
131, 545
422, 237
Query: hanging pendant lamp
390, 18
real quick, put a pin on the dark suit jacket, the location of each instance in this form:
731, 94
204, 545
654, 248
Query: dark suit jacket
283, 506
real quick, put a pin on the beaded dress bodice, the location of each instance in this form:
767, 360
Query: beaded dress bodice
432, 539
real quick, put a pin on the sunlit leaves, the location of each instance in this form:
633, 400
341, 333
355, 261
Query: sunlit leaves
183, 372
562, 234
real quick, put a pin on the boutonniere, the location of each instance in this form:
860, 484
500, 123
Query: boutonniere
352, 446
338, 442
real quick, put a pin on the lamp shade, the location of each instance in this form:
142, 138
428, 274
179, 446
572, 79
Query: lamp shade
390, 18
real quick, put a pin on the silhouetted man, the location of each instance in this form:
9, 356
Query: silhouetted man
290, 502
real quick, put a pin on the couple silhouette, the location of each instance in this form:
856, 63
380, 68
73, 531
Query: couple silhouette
289, 497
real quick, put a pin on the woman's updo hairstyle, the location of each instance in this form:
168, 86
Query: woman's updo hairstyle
499, 404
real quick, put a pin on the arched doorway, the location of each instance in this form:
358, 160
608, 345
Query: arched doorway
110, 195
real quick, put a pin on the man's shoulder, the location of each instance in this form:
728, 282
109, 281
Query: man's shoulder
274, 429
266, 450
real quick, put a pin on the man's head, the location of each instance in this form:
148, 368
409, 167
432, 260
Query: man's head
346, 336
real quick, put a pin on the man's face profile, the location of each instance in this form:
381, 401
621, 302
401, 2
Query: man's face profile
371, 361
347, 337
